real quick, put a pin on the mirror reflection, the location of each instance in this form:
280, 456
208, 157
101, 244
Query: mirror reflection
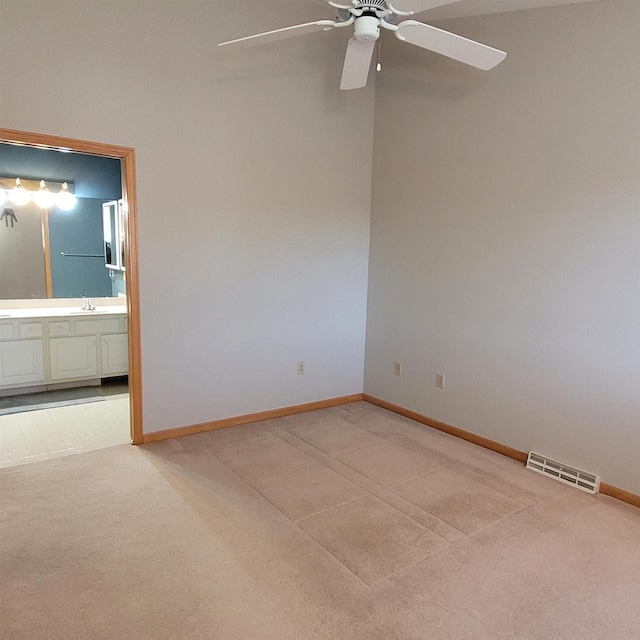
60, 251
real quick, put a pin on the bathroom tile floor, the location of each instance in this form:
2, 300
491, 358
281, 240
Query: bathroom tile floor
52, 433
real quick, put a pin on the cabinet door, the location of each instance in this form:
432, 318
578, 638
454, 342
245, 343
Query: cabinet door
115, 354
111, 232
21, 362
73, 358
122, 235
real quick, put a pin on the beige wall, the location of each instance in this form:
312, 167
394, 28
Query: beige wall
254, 177
506, 235
505, 225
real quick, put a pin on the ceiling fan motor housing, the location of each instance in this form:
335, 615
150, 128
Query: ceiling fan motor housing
367, 28
373, 5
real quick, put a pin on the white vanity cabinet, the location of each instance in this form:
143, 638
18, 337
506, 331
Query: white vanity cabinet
21, 353
87, 348
53, 350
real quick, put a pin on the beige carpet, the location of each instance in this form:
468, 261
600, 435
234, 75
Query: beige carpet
347, 523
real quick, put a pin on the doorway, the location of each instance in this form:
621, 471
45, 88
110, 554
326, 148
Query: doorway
129, 256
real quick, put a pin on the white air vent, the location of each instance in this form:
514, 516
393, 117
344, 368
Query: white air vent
569, 475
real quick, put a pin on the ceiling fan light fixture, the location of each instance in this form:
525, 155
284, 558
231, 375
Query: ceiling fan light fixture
65, 200
367, 28
43, 197
19, 195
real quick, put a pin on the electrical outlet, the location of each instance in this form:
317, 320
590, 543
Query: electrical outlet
440, 380
396, 369
300, 368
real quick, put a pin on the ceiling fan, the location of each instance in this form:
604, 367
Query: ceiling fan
367, 18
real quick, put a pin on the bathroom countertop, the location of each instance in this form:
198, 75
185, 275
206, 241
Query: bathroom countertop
61, 312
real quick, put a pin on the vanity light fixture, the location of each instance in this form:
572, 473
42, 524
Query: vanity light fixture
43, 194
19, 195
65, 200
43, 197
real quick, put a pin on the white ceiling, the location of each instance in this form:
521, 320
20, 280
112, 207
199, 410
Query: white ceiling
479, 7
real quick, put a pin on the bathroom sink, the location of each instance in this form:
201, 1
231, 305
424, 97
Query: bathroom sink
82, 313
4, 315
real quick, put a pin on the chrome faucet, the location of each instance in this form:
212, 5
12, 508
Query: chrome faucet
87, 304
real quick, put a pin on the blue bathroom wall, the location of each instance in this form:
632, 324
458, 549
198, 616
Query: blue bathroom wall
93, 177
78, 231
119, 284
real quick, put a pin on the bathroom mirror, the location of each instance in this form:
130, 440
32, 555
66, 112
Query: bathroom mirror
56, 253
22, 264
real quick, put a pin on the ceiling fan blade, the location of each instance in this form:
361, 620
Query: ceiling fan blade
337, 4
356, 64
282, 34
416, 6
451, 45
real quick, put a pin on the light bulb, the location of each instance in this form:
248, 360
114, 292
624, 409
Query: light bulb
378, 67
19, 195
65, 200
43, 197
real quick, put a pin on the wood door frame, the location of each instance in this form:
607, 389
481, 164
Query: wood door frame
127, 156
46, 247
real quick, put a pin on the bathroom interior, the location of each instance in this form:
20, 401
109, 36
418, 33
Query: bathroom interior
63, 306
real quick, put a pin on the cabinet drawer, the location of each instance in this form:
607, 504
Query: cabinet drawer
30, 329
16, 330
7, 332
59, 328
106, 325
